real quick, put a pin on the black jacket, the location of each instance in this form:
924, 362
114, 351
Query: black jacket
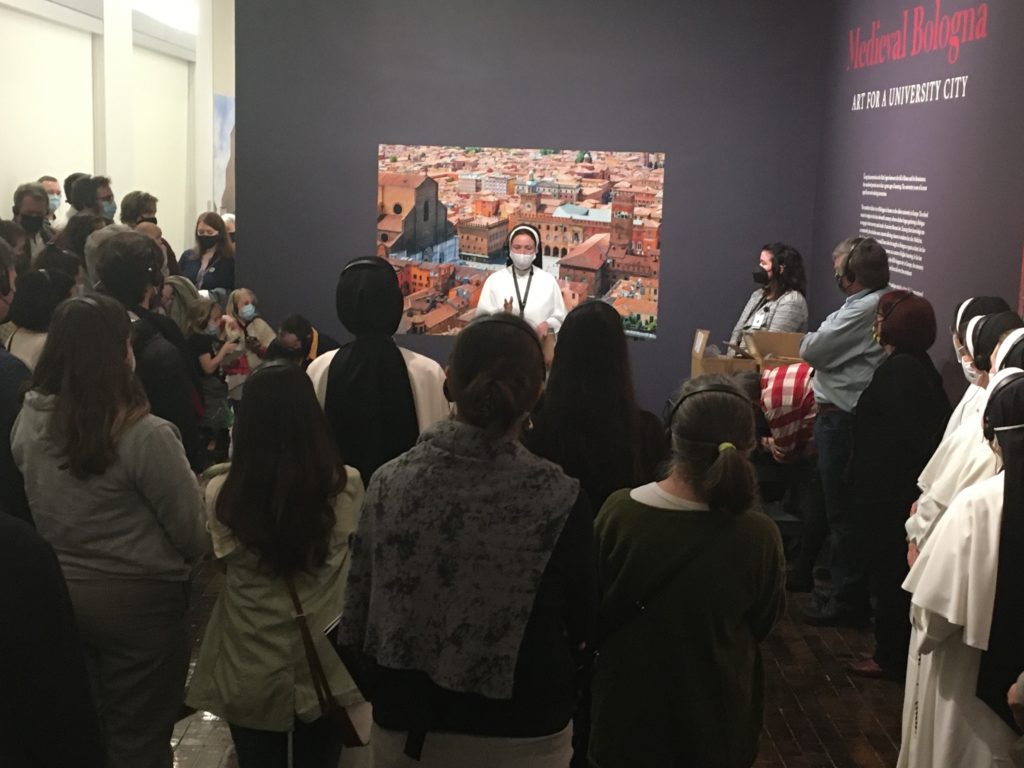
163, 366
14, 374
898, 424
47, 715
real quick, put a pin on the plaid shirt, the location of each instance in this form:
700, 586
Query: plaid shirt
787, 400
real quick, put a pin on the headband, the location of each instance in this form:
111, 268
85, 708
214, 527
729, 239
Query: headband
1007, 346
960, 313
532, 231
969, 333
713, 388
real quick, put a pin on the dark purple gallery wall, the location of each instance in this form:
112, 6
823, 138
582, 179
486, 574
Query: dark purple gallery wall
966, 138
731, 90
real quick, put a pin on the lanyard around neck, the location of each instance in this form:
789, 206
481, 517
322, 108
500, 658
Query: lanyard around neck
522, 298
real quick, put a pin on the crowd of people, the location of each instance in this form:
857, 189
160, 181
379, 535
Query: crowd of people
503, 561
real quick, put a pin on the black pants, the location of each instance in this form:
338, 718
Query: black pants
887, 569
314, 745
805, 500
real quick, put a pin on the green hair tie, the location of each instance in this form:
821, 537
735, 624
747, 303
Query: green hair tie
723, 447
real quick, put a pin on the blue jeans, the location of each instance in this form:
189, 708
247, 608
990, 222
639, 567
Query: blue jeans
833, 433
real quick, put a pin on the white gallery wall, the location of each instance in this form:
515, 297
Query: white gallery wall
47, 127
160, 93
139, 110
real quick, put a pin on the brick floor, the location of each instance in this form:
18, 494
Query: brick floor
816, 714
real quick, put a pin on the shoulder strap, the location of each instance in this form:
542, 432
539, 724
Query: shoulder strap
328, 706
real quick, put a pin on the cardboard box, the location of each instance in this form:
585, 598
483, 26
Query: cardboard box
771, 349
701, 363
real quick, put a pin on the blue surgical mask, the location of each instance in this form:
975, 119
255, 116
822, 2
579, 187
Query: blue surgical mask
248, 312
213, 329
109, 208
54, 202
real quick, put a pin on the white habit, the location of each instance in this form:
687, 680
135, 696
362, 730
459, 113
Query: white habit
970, 408
543, 304
953, 587
962, 459
425, 376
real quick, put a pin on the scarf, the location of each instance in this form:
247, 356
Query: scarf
369, 401
453, 540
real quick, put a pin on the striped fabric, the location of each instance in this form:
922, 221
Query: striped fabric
787, 399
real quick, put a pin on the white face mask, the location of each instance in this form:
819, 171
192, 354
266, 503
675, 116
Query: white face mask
522, 261
971, 373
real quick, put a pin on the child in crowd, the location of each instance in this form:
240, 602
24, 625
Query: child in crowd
205, 327
252, 333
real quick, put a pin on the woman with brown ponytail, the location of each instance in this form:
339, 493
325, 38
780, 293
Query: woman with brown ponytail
691, 579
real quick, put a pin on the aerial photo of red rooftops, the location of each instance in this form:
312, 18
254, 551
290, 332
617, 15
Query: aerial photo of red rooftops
444, 215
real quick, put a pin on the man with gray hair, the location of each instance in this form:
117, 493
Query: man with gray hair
31, 206
844, 356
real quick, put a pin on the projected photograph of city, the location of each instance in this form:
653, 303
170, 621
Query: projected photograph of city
444, 214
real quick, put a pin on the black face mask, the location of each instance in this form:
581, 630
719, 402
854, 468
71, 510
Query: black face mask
207, 241
147, 219
232, 236
31, 224
760, 276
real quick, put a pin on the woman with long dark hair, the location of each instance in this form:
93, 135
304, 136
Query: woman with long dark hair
210, 264
779, 304
590, 423
472, 575
280, 519
691, 581
111, 490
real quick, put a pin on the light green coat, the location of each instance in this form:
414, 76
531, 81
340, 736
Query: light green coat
252, 668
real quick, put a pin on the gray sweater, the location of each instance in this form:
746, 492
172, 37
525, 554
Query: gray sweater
141, 519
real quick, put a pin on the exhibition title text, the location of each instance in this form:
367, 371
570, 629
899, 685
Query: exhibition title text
924, 30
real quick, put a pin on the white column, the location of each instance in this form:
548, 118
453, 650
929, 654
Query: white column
112, 94
201, 102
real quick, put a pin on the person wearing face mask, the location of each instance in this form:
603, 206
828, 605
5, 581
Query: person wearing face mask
972, 403
779, 304
897, 425
962, 459
253, 334
111, 490
523, 287
93, 194
209, 353
965, 591
64, 215
31, 207
53, 193
844, 355
210, 265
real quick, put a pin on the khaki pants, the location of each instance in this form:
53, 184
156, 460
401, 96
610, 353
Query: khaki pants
136, 650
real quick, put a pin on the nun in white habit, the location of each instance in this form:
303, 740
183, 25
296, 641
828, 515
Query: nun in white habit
966, 590
523, 287
963, 457
972, 404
